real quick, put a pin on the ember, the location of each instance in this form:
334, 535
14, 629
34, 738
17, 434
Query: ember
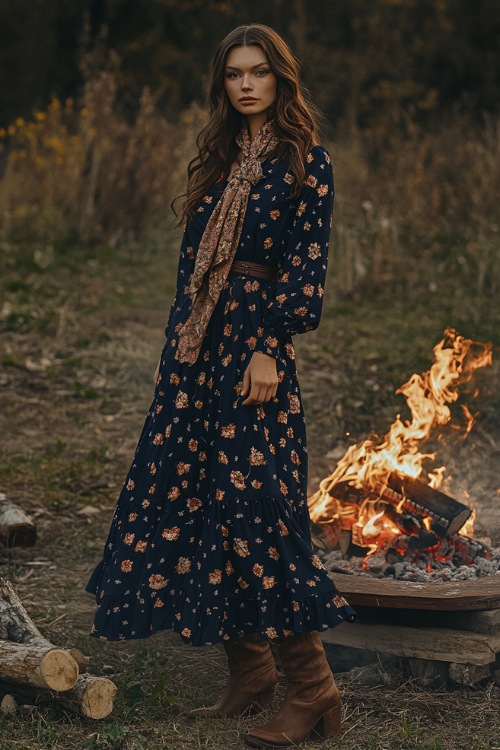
381, 506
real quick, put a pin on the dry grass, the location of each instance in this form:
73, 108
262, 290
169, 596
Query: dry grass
412, 210
80, 336
161, 681
85, 170
419, 211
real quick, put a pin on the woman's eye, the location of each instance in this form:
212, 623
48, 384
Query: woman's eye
262, 72
232, 75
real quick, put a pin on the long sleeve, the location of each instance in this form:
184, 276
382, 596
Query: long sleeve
298, 298
184, 271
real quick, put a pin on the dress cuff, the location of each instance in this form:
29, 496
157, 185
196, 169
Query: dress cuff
267, 342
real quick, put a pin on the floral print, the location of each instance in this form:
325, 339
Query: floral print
211, 537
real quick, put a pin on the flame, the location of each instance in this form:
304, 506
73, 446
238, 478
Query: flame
436, 476
427, 523
376, 526
468, 527
471, 419
369, 464
370, 528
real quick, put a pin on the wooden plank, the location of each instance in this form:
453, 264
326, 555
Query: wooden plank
479, 621
482, 621
482, 593
439, 644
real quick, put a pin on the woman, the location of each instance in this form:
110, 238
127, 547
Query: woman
211, 533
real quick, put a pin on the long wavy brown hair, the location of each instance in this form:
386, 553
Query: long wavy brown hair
294, 115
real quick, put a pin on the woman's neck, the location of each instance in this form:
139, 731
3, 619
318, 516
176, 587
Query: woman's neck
255, 122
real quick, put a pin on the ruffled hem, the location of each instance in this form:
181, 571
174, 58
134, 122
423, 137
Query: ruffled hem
239, 567
279, 616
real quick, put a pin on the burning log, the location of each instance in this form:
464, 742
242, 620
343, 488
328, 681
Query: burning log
328, 535
405, 521
448, 515
418, 499
405, 543
408, 504
462, 549
16, 528
404, 526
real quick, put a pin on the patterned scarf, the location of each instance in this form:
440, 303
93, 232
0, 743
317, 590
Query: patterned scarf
221, 238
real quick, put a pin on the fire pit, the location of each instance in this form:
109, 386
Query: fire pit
401, 549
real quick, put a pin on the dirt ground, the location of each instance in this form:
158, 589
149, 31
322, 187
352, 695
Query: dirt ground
81, 332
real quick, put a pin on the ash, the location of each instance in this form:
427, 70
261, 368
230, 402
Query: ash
423, 568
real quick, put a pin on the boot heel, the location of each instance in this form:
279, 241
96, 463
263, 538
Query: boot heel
329, 724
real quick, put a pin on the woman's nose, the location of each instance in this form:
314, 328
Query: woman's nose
246, 84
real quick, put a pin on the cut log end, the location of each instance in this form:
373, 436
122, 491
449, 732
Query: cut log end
16, 528
59, 670
97, 696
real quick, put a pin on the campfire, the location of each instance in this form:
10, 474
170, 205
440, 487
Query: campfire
382, 511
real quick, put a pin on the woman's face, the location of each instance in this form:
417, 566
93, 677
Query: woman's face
249, 81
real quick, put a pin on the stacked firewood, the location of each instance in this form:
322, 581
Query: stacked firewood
423, 515
32, 669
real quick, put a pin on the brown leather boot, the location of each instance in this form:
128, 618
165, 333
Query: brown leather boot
252, 678
312, 701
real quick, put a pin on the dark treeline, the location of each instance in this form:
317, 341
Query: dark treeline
370, 63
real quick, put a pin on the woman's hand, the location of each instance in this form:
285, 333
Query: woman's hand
260, 380
156, 376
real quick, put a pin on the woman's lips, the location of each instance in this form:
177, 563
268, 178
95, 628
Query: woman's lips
247, 100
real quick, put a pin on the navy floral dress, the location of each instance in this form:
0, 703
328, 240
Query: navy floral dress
211, 536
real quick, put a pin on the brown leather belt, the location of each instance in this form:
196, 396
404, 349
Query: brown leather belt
269, 273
